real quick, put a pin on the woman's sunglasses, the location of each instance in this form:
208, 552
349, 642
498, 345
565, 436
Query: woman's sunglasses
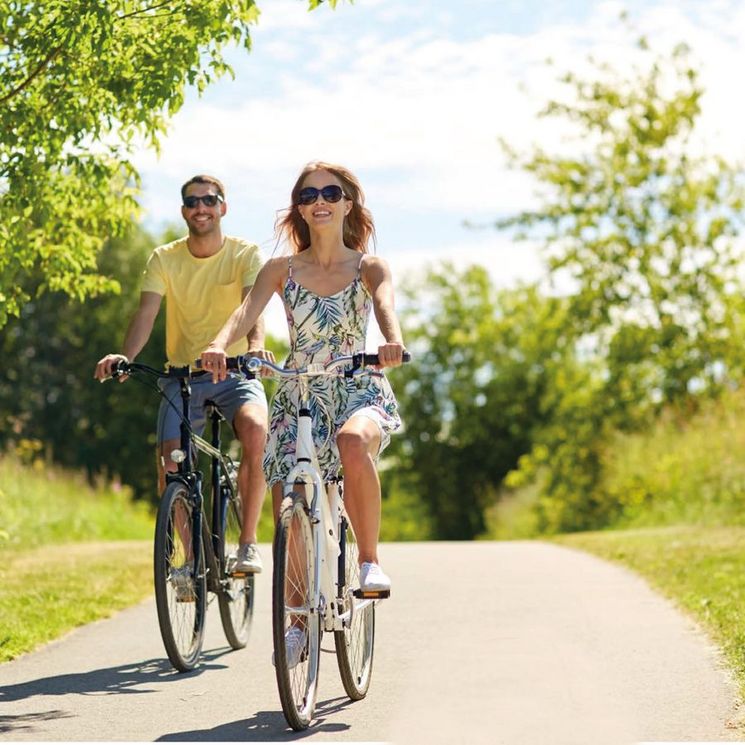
330, 193
208, 200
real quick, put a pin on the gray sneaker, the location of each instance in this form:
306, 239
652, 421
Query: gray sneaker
182, 579
246, 561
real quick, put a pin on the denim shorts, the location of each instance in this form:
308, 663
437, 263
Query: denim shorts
229, 395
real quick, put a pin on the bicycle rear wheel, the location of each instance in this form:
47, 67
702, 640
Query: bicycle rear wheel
236, 597
180, 596
356, 642
295, 622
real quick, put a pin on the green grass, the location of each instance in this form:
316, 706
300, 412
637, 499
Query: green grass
48, 591
40, 505
69, 554
701, 569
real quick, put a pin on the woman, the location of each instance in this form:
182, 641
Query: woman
328, 285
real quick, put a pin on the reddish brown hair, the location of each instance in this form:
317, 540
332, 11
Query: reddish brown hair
359, 228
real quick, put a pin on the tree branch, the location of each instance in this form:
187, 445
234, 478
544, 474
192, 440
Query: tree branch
149, 8
35, 74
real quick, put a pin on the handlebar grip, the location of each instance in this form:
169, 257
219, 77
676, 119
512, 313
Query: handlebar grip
232, 363
120, 367
368, 358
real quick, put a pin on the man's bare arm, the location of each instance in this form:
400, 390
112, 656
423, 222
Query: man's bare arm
138, 333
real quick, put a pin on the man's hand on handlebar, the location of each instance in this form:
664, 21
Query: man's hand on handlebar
106, 365
214, 360
262, 354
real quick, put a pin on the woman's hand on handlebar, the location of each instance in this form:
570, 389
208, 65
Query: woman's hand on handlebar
214, 360
106, 365
390, 354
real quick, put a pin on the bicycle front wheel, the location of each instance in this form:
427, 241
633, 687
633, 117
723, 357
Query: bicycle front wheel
236, 596
180, 593
296, 622
356, 642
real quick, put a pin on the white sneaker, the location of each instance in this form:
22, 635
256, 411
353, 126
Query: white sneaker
372, 578
295, 646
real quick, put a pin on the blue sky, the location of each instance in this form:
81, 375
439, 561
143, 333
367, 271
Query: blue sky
412, 96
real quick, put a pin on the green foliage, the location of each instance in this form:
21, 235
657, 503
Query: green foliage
643, 233
475, 392
686, 468
47, 391
82, 86
42, 505
644, 228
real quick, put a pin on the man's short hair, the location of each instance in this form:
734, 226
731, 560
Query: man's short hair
204, 179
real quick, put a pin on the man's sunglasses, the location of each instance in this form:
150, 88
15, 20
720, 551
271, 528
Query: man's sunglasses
330, 193
208, 200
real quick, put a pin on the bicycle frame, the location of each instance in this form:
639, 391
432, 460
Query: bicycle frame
189, 474
192, 549
326, 513
313, 587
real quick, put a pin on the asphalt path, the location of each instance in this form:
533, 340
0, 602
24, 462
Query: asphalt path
521, 643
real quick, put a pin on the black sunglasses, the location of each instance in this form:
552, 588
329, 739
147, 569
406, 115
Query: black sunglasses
208, 200
330, 193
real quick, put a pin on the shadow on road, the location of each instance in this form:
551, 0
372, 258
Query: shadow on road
109, 680
27, 721
265, 726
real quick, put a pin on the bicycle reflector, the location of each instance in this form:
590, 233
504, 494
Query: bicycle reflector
178, 456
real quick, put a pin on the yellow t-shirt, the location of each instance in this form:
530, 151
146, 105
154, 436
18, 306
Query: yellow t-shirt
200, 293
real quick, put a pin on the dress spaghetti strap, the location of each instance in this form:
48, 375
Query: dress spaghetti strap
289, 267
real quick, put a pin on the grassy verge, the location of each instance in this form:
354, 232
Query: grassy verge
69, 554
48, 591
701, 569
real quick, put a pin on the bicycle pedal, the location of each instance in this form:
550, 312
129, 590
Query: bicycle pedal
371, 594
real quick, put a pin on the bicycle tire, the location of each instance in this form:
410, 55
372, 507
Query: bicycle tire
355, 644
292, 607
235, 597
181, 620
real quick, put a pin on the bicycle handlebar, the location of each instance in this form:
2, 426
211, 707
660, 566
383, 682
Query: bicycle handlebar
126, 368
251, 366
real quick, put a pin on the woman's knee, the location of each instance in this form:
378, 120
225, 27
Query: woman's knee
354, 445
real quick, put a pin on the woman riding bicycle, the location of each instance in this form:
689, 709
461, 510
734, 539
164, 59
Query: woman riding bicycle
328, 286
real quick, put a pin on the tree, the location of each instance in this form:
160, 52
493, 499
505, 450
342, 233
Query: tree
475, 392
82, 85
47, 393
643, 227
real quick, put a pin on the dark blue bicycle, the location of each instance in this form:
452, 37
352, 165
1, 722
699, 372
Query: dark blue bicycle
196, 538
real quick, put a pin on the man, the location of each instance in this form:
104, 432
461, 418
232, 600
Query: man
204, 277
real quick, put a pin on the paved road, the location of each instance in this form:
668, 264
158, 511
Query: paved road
516, 643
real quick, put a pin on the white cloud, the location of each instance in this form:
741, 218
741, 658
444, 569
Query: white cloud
416, 113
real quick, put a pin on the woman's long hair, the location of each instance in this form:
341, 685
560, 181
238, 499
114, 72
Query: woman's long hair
358, 224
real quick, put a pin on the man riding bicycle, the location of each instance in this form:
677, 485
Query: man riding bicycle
204, 278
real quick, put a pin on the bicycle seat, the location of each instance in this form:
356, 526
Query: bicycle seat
209, 403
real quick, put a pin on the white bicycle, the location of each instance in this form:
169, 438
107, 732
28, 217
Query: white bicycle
315, 583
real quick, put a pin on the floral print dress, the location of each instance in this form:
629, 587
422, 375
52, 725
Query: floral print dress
323, 327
